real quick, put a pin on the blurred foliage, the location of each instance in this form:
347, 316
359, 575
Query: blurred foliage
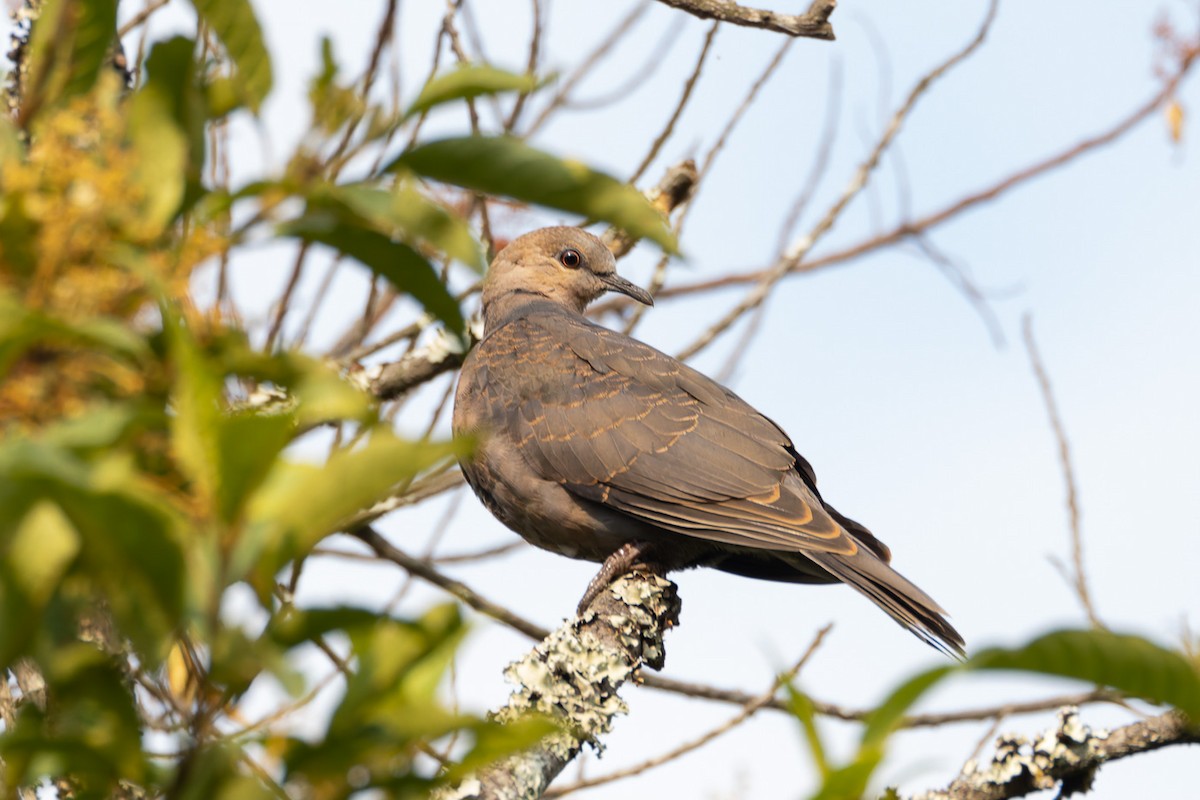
1129, 664
147, 464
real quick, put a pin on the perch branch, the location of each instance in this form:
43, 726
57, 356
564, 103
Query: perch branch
1067, 756
572, 677
813, 24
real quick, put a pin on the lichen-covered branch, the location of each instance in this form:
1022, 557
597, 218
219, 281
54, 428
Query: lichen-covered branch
1070, 754
814, 24
573, 677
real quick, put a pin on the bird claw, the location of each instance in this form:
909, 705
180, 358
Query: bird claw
620, 562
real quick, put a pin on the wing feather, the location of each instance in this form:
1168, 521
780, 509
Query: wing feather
648, 436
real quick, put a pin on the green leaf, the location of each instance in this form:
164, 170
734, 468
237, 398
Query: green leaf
1128, 663
883, 719
403, 266
466, 81
248, 446
507, 166
37, 555
21, 327
172, 80
234, 23
67, 49
93, 733
99, 428
801, 707
162, 148
407, 213
133, 552
11, 149
299, 504
197, 400
293, 626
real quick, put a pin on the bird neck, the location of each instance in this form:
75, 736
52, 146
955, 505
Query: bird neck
502, 308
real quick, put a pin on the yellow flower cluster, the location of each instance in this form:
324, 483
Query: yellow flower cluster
74, 247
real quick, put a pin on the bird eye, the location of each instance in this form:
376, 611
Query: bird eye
570, 258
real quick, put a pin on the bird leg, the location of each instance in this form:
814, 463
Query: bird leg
623, 560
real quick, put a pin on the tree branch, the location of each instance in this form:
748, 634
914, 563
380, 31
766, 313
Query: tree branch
813, 24
1068, 755
573, 676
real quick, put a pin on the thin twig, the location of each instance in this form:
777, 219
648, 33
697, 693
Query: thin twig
820, 161
531, 67
688, 86
140, 17
1079, 579
564, 89
798, 251
903, 231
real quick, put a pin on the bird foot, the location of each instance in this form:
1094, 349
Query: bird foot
625, 558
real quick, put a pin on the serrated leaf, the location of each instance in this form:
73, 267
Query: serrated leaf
1131, 664
67, 49
503, 165
466, 81
234, 23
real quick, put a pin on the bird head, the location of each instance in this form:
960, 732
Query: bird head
566, 265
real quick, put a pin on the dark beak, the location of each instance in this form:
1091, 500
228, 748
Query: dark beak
615, 283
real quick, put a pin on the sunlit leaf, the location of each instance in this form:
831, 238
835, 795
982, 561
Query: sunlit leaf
1130, 664
234, 23
300, 504
469, 80
36, 555
507, 166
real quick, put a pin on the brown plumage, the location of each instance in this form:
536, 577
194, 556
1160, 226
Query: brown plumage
592, 441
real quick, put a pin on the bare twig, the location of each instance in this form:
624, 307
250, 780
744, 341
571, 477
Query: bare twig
799, 250
1079, 578
140, 17
564, 89
688, 85
814, 24
535, 43
820, 162
903, 231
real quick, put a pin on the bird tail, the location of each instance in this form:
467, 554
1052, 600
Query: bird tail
896, 595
